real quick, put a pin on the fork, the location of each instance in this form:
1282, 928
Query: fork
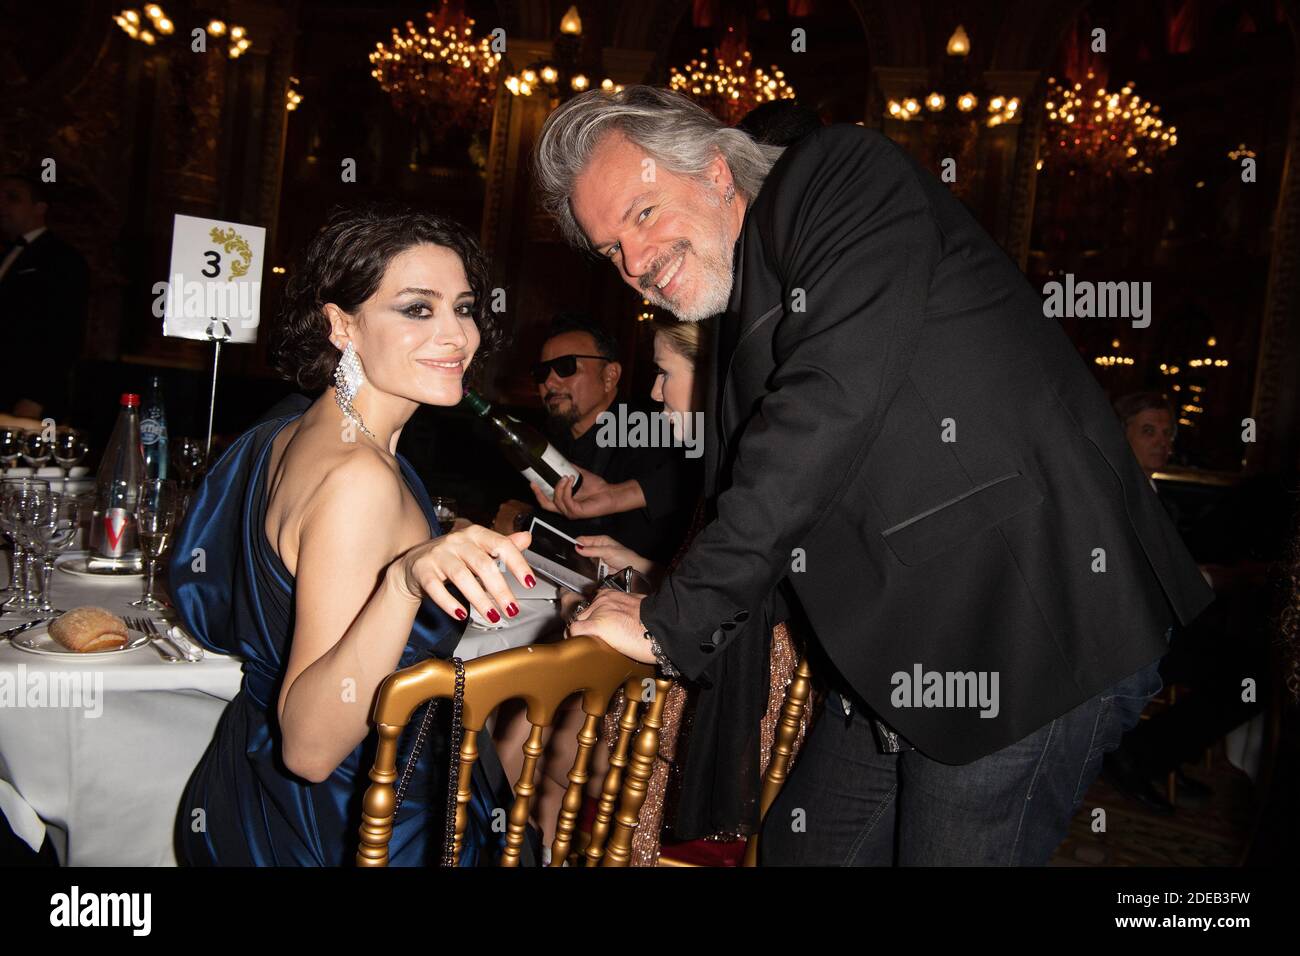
147, 626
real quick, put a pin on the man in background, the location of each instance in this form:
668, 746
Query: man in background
640, 496
44, 288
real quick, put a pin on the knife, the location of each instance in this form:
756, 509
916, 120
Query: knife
22, 627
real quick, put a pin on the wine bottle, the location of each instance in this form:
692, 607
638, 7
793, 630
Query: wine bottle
525, 447
117, 486
153, 431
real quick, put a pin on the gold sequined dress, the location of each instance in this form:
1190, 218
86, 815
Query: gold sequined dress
674, 735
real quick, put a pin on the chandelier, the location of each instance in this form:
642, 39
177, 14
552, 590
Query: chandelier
441, 74
564, 74
1107, 131
954, 94
731, 86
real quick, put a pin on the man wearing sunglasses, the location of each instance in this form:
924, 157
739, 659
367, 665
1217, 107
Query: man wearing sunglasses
640, 496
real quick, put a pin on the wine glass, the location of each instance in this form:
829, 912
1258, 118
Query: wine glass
69, 449
14, 493
445, 509
21, 502
155, 516
11, 448
190, 458
36, 450
56, 522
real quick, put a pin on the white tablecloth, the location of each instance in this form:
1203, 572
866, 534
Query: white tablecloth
106, 788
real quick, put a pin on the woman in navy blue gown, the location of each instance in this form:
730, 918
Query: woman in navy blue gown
312, 551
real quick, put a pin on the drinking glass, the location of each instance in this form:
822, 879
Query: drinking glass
14, 492
11, 447
445, 509
155, 515
69, 449
56, 522
36, 450
190, 458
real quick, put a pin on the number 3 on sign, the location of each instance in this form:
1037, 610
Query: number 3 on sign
214, 263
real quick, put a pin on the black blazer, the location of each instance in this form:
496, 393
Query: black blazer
43, 300
871, 318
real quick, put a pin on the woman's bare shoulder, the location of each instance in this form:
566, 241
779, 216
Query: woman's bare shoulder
318, 483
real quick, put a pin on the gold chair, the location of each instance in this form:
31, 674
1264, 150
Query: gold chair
797, 696
543, 677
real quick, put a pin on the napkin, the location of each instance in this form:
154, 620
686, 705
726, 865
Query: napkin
184, 643
27, 826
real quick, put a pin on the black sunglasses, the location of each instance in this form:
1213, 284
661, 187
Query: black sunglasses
564, 366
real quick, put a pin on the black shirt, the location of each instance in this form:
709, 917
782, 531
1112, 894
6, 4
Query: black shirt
670, 481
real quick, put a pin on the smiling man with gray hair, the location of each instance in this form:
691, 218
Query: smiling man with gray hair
904, 454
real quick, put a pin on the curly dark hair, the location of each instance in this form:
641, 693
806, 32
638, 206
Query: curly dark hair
344, 264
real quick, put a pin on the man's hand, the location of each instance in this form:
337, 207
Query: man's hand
597, 496
615, 619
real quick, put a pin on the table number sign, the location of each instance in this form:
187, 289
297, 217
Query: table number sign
214, 286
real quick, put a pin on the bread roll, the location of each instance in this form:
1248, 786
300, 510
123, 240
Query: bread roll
86, 629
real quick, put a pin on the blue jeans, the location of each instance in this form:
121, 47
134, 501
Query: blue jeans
847, 804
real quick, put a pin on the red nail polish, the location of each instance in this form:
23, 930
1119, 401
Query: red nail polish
512, 609
492, 615
529, 581
460, 614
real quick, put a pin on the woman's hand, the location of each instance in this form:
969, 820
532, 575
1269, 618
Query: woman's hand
614, 618
466, 559
615, 555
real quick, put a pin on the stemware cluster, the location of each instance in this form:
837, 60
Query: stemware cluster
67, 447
42, 524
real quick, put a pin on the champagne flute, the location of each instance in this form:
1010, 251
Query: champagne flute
56, 522
69, 449
156, 508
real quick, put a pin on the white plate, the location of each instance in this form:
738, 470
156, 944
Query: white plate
38, 641
79, 564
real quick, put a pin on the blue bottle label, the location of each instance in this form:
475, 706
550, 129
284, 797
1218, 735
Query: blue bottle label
151, 430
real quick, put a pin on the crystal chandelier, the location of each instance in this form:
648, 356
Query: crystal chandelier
441, 74
731, 85
1107, 131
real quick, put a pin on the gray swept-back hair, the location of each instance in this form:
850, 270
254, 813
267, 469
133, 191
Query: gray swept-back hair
679, 135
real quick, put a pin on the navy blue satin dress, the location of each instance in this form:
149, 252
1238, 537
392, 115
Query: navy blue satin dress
236, 597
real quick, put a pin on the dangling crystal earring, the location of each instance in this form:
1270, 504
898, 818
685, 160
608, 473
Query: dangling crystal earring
730, 194
348, 379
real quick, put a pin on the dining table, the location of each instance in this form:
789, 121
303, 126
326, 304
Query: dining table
95, 750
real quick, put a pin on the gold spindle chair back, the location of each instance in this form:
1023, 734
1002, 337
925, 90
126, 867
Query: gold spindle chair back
797, 696
543, 677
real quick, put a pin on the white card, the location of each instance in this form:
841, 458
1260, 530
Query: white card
214, 286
